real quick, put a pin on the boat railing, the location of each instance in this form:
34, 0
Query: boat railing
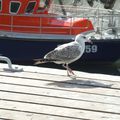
102, 19
77, 10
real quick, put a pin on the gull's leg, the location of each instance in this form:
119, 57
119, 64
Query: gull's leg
65, 66
73, 76
70, 70
70, 73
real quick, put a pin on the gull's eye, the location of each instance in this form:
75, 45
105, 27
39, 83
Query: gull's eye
84, 37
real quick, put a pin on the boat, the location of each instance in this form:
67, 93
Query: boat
31, 28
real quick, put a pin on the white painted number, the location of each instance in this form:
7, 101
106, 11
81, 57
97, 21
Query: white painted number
91, 48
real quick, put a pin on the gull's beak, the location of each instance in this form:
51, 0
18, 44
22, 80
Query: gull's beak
89, 41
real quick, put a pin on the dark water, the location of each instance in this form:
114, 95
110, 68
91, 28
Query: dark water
100, 68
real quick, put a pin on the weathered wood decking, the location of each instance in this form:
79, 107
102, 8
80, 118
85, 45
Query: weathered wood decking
47, 94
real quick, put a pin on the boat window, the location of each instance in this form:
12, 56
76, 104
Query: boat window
30, 7
14, 7
43, 4
0, 5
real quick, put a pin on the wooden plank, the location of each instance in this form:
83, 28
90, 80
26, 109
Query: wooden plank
24, 86
60, 102
55, 78
59, 72
57, 111
6, 114
64, 84
49, 94
48, 76
39, 72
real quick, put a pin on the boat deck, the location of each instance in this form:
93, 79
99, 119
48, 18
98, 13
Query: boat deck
39, 93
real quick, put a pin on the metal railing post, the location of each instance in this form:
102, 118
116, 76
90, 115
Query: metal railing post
10, 68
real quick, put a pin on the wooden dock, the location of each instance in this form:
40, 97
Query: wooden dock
48, 94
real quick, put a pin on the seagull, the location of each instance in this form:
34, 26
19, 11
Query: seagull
66, 53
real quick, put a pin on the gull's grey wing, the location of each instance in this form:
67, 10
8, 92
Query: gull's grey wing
66, 52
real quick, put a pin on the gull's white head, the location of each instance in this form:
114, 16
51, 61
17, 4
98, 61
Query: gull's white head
81, 38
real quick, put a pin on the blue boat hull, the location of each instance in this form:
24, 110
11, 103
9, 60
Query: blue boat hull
21, 50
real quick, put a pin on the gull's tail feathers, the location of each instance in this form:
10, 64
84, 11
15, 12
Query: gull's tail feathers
41, 61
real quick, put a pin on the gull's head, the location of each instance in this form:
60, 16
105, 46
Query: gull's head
82, 38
